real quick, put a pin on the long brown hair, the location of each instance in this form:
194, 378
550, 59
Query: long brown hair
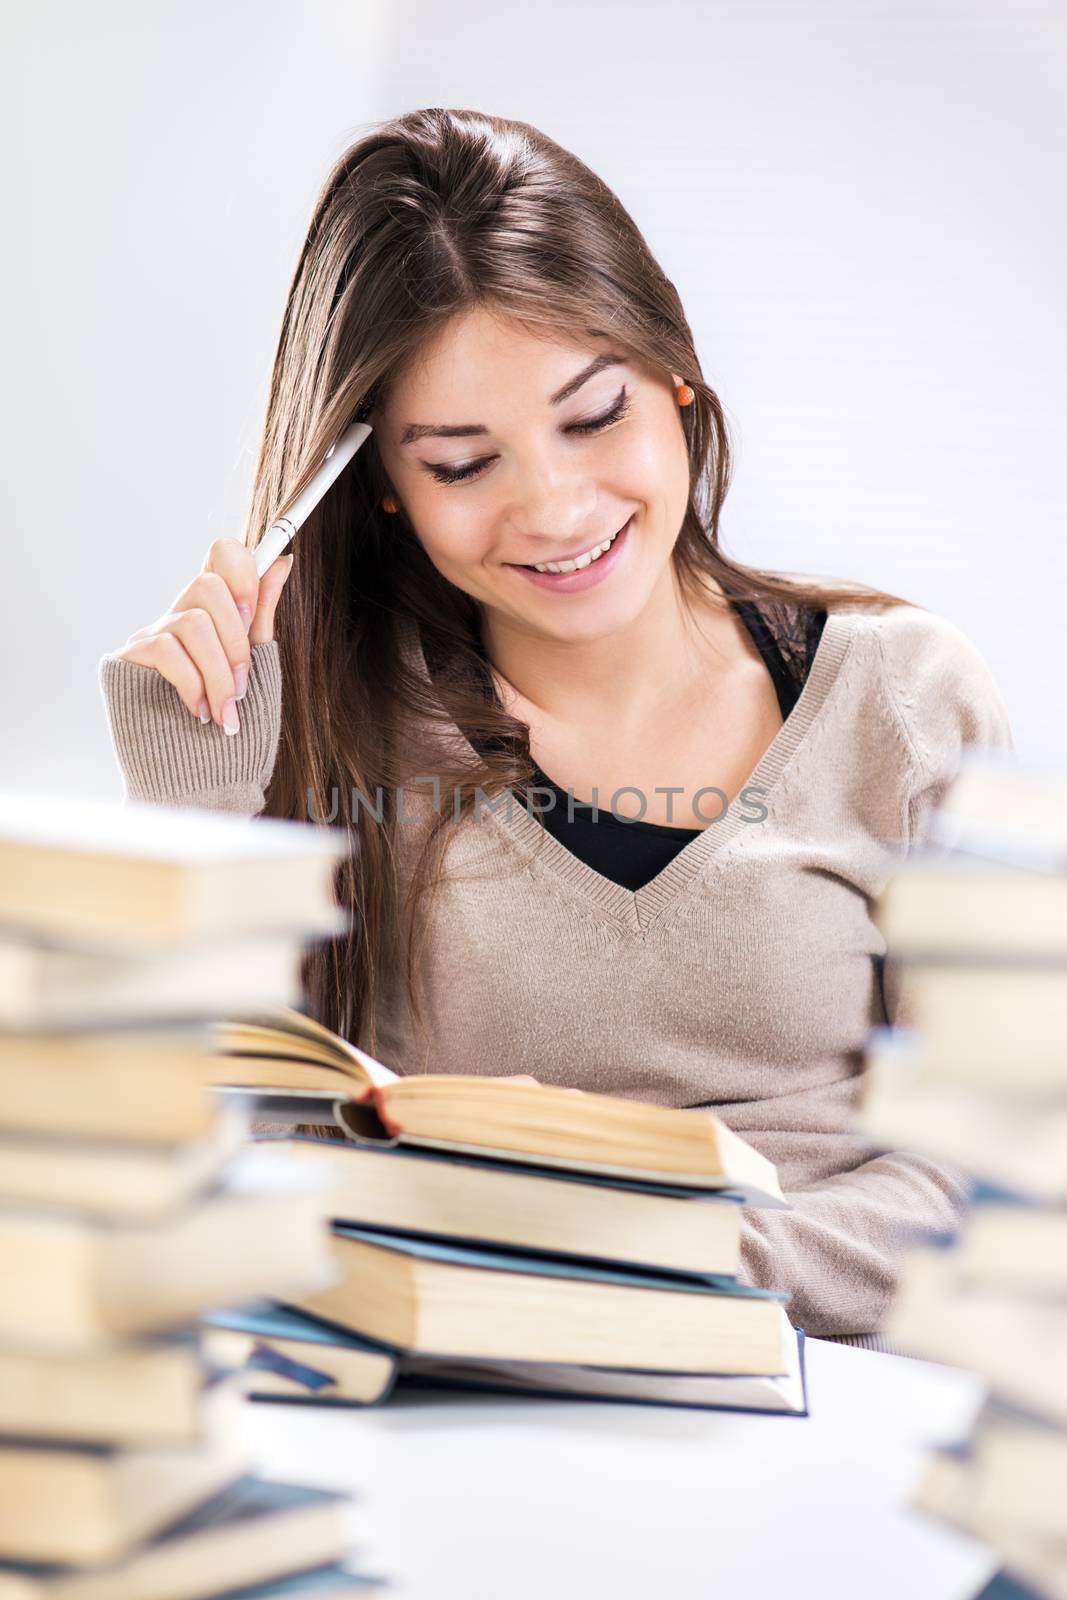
430, 214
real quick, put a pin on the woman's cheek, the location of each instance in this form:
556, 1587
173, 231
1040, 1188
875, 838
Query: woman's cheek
456, 551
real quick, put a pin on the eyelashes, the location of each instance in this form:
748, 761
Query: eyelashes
607, 419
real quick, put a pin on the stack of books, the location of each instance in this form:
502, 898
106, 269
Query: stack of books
132, 1202
976, 1076
508, 1235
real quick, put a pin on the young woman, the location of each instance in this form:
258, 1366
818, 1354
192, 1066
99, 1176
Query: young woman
762, 749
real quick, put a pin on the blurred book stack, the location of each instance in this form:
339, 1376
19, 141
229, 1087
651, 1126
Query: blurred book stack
132, 1202
508, 1235
975, 1074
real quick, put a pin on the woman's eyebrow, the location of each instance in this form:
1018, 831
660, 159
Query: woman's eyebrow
425, 430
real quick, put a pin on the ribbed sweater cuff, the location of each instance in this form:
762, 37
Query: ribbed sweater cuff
169, 757
866, 1341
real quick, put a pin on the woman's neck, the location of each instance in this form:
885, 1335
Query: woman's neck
642, 671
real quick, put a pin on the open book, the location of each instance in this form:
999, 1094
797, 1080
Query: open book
284, 1056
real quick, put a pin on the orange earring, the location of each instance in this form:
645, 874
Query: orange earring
388, 502
684, 395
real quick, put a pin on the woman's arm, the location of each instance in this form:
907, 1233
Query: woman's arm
835, 1252
211, 655
945, 698
168, 757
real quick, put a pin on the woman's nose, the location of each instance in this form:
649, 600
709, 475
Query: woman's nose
555, 510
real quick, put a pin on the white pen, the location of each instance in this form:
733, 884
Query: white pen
284, 527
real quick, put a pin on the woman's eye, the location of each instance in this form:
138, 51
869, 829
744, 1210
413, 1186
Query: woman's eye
594, 425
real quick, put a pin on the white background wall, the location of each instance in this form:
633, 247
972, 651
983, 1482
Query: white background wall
861, 204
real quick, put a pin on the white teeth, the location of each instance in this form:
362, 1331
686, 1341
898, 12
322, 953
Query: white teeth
579, 561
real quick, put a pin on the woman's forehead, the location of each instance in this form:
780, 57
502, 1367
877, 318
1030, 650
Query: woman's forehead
469, 359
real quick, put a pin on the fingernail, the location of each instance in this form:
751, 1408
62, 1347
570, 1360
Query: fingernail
230, 723
240, 680
203, 711
246, 615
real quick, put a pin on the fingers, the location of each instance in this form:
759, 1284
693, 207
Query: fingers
220, 651
518, 1077
185, 648
167, 655
203, 644
270, 592
208, 596
235, 564
227, 589
524, 1077
255, 599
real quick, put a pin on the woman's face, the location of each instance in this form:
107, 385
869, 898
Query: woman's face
501, 461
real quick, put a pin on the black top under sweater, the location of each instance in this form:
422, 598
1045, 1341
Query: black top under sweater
631, 852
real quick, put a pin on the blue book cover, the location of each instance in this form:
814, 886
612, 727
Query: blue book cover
525, 1169
1002, 1586
267, 1320
248, 1500
493, 1260
985, 1193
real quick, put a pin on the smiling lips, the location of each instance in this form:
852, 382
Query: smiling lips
571, 563
575, 577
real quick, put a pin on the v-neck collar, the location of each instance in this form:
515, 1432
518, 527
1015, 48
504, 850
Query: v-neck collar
636, 910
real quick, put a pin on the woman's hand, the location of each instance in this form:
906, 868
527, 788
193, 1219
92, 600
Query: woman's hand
524, 1077
203, 644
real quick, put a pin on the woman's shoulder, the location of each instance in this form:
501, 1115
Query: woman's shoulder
935, 677
905, 631
925, 668
916, 645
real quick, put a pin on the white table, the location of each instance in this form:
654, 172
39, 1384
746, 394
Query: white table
471, 1496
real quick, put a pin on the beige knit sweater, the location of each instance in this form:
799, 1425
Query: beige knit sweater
744, 977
